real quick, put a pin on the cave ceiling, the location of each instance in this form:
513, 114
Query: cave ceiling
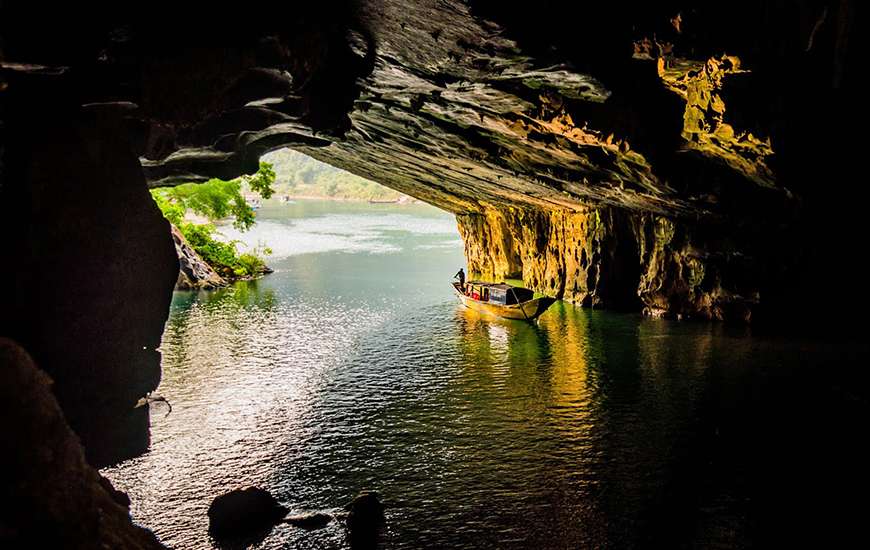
461, 104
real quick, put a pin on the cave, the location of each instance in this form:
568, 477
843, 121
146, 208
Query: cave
714, 178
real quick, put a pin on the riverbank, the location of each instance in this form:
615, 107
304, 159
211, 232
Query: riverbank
215, 263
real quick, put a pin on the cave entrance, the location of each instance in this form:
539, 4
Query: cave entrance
359, 288
296, 206
340, 371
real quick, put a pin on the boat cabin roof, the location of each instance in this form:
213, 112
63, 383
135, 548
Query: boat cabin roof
500, 293
500, 286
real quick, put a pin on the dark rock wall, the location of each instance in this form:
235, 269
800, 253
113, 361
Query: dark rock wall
49, 496
94, 267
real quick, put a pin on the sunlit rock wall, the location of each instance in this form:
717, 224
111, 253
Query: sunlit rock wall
585, 257
614, 259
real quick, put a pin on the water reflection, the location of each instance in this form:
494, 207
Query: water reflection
584, 430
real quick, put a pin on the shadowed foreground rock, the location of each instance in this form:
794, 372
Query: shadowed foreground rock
243, 511
49, 496
94, 272
365, 519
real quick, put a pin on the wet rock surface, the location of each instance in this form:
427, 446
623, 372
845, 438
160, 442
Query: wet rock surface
316, 520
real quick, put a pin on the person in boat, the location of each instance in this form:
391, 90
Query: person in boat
461, 276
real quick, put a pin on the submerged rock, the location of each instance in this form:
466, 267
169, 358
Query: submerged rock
364, 520
316, 520
243, 511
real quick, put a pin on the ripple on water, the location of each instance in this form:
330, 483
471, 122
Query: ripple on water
585, 430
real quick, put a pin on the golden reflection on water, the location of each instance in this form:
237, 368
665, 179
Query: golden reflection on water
571, 432
551, 417
557, 342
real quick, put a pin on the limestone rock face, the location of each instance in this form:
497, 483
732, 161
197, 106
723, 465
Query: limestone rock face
609, 258
49, 496
691, 273
193, 272
587, 257
681, 116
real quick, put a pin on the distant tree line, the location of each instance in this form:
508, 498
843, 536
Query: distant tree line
299, 175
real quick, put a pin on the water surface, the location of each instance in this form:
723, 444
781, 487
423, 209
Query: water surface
352, 367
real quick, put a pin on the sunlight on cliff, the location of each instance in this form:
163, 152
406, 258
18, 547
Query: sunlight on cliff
704, 127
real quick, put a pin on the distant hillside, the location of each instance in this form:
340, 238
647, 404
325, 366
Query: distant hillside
300, 176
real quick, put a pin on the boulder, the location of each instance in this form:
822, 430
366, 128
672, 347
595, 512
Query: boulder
364, 520
243, 511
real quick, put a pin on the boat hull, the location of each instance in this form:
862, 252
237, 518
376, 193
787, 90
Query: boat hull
525, 311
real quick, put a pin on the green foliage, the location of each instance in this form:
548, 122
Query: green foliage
261, 182
217, 199
214, 199
218, 254
172, 211
222, 256
300, 175
250, 263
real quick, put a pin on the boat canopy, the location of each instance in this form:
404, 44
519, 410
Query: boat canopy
501, 293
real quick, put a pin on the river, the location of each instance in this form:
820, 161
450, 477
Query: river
353, 367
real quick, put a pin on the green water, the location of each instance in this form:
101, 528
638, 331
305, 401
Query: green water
353, 367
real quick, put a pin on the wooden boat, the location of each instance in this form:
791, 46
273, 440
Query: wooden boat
503, 300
